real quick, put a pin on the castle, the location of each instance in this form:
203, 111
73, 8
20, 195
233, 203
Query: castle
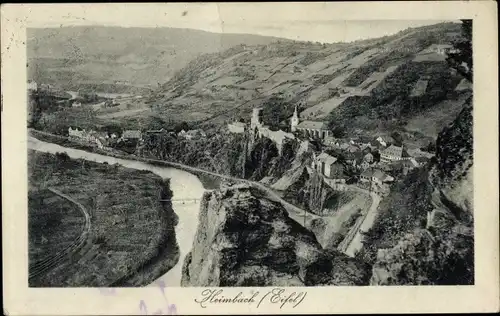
258, 130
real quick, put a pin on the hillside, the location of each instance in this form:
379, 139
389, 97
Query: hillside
129, 238
113, 59
376, 84
424, 230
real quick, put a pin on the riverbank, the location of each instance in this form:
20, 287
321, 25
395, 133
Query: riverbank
130, 239
184, 185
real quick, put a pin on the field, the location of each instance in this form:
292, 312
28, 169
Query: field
131, 239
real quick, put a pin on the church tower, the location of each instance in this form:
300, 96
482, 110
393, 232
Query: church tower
295, 120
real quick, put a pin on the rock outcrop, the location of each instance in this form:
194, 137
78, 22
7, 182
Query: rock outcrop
246, 240
442, 253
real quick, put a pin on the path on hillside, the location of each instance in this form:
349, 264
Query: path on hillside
53, 261
353, 242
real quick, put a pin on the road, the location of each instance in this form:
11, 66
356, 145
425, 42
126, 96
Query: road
353, 242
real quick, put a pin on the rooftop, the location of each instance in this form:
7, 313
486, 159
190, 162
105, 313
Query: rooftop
240, 124
326, 158
394, 151
312, 125
132, 134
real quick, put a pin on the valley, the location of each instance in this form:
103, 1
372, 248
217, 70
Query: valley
316, 158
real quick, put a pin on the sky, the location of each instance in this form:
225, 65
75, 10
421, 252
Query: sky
322, 22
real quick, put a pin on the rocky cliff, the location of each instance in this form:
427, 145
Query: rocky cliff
440, 249
246, 240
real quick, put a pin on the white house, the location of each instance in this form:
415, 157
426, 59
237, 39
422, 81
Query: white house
32, 86
328, 166
76, 132
236, 127
132, 134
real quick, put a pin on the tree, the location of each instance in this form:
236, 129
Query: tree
461, 57
338, 132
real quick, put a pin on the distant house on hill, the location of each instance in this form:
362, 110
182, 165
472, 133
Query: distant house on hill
32, 86
464, 85
76, 104
236, 127
75, 133
394, 153
131, 135
191, 134
435, 52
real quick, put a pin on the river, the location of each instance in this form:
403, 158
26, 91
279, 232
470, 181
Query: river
184, 185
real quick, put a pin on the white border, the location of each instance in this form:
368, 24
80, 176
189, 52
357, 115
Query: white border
482, 297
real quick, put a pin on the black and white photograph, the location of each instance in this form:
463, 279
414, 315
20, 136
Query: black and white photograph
218, 159
231, 156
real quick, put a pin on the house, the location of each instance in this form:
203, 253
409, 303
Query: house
236, 127
328, 166
379, 177
375, 176
353, 158
343, 146
191, 134
421, 160
366, 176
364, 165
76, 104
330, 141
32, 86
132, 135
405, 166
393, 153
368, 158
75, 133
352, 148
385, 140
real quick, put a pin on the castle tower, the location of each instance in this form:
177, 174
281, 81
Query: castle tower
295, 120
256, 120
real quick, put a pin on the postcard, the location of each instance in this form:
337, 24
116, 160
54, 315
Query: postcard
250, 158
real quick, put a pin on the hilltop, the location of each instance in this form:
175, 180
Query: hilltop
377, 84
113, 59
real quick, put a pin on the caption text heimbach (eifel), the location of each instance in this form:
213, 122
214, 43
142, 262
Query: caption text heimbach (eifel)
275, 296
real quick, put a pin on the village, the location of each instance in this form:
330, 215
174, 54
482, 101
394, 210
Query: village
372, 163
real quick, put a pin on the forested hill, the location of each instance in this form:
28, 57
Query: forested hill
374, 84
119, 57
